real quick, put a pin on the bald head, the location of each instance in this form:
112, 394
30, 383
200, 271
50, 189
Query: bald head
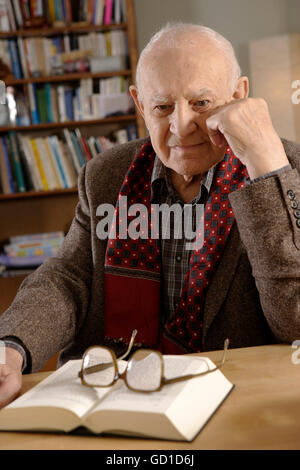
189, 39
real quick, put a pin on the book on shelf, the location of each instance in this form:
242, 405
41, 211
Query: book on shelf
16, 159
60, 403
9, 177
14, 13
47, 246
31, 250
35, 236
51, 162
50, 103
43, 250
4, 17
4, 175
63, 54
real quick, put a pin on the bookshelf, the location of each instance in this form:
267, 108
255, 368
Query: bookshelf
36, 210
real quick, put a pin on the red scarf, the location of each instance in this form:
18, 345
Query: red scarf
133, 266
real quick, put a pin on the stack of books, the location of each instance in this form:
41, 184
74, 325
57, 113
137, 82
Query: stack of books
26, 252
51, 163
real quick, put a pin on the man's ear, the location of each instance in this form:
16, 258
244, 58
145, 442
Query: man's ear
135, 95
241, 89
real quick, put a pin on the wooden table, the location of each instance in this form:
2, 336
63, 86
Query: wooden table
262, 412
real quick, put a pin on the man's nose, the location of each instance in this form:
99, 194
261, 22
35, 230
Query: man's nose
183, 121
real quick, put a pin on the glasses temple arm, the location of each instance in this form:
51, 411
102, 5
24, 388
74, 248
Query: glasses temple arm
191, 376
134, 333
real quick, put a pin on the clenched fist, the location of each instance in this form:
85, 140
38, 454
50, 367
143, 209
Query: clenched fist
245, 125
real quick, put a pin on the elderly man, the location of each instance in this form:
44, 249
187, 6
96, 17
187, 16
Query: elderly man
209, 144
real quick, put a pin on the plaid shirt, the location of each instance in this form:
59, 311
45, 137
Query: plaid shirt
175, 255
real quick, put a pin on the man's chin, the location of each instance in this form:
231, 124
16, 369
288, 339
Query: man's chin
190, 167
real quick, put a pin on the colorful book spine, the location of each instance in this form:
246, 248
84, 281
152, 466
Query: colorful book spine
13, 247
72, 151
55, 184
58, 161
18, 12
33, 104
58, 10
68, 168
42, 103
31, 163
49, 102
3, 172
14, 58
39, 164
108, 11
51, 155
51, 11
17, 162
77, 149
46, 250
23, 57
8, 166
45, 163
27, 171
68, 95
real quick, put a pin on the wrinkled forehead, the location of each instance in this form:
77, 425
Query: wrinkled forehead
186, 63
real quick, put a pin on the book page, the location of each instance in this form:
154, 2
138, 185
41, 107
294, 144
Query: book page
120, 397
62, 389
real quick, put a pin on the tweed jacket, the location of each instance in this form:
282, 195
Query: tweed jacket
253, 298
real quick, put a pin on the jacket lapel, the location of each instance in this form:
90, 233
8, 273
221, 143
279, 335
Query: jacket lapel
222, 279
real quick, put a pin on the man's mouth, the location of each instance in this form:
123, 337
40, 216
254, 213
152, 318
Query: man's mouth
187, 147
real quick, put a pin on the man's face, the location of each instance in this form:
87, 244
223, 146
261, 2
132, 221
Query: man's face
180, 87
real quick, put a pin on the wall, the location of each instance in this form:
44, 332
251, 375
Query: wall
245, 23
240, 21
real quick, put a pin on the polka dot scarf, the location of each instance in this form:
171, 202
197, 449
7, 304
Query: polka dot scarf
133, 265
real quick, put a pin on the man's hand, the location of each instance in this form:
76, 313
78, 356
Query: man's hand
245, 125
10, 376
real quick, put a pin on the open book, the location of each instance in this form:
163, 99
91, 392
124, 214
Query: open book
60, 403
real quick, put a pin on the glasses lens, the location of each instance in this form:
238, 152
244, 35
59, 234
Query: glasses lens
144, 371
98, 367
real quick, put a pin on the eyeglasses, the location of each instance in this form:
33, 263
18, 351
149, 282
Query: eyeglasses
144, 371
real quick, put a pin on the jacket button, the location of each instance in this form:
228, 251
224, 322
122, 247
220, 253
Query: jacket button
298, 223
294, 204
291, 194
297, 214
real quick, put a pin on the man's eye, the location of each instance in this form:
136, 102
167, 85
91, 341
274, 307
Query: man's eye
202, 103
163, 107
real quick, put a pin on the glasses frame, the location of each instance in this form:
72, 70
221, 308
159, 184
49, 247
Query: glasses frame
123, 375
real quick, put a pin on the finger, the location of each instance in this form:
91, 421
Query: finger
10, 386
217, 139
215, 131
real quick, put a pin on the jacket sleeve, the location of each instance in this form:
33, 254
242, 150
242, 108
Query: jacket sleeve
51, 303
267, 215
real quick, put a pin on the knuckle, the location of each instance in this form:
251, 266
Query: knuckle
231, 116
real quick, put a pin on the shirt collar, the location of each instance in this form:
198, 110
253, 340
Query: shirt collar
160, 182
